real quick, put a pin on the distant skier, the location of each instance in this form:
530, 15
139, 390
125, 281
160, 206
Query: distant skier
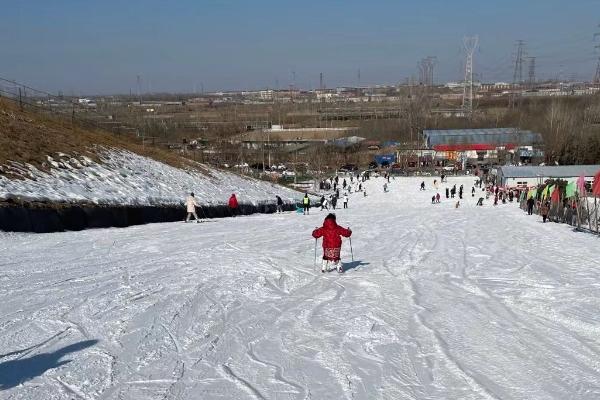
544, 209
473, 191
422, 185
334, 202
345, 201
332, 242
453, 191
480, 201
344, 184
530, 204
279, 204
460, 192
447, 193
433, 199
306, 204
233, 205
324, 204
437, 198
385, 187
191, 205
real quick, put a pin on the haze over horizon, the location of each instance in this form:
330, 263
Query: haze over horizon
99, 48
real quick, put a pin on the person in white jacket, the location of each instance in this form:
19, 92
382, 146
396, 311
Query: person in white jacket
191, 205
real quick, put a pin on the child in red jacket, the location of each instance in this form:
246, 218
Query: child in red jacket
332, 242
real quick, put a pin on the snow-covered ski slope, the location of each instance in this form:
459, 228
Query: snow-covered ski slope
440, 303
126, 178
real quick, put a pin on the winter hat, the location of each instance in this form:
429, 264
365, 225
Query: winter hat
330, 216
192, 194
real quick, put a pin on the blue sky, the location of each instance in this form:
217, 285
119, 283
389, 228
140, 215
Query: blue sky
87, 47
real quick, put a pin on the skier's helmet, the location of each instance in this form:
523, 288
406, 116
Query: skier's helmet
192, 194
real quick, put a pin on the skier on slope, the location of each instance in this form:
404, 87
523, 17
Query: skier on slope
345, 200
306, 204
279, 204
191, 205
332, 242
233, 205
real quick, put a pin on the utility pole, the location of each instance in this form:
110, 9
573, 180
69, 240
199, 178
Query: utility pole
470, 45
358, 77
321, 84
597, 47
139, 89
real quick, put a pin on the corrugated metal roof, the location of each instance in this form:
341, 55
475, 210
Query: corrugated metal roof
496, 136
559, 171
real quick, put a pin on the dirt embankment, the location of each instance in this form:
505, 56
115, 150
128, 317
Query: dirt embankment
30, 137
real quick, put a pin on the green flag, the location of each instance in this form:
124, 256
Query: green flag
571, 189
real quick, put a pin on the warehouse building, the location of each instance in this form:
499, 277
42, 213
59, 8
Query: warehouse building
527, 176
480, 146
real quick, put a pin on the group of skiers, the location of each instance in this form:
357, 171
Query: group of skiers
191, 203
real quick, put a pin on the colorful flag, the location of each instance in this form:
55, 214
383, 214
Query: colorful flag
581, 184
571, 189
555, 194
596, 185
531, 194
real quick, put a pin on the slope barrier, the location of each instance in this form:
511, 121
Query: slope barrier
57, 218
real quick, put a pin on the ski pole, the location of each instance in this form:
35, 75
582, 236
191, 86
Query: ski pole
351, 251
315, 266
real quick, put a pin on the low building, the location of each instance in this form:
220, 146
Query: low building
527, 176
485, 146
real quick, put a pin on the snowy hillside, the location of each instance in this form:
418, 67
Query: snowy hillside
440, 303
125, 178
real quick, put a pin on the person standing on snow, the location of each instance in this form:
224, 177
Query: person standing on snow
447, 193
422, 185
306, 204
344, 184
191, 205
233, 205
530, 204
334, 201
473, 191
331, 233
345, 201
544, 209
324, 203
279, 204
385, 188
437, 198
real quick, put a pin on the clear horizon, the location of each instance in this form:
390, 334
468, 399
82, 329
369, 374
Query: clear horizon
88, 48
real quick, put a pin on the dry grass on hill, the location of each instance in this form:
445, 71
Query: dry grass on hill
29, 137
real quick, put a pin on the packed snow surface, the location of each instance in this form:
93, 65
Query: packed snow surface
439, 303
126, 178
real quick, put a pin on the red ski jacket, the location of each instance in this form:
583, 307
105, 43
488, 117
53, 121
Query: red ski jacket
331, 231
233, 202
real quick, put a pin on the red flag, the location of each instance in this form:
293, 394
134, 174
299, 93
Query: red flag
596, 185
555, 196
581, 185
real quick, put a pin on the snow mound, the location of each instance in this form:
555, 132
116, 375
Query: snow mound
126, 178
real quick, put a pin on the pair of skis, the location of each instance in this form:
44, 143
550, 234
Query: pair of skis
340, 269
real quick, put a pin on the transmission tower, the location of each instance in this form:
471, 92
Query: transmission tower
321, 84
531, 80
470, 45
518, 72
426, 66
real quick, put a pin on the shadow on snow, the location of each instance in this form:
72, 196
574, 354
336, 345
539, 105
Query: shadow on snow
353, 265
14, 372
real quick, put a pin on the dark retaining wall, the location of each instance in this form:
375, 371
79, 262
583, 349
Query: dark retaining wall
53, 218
